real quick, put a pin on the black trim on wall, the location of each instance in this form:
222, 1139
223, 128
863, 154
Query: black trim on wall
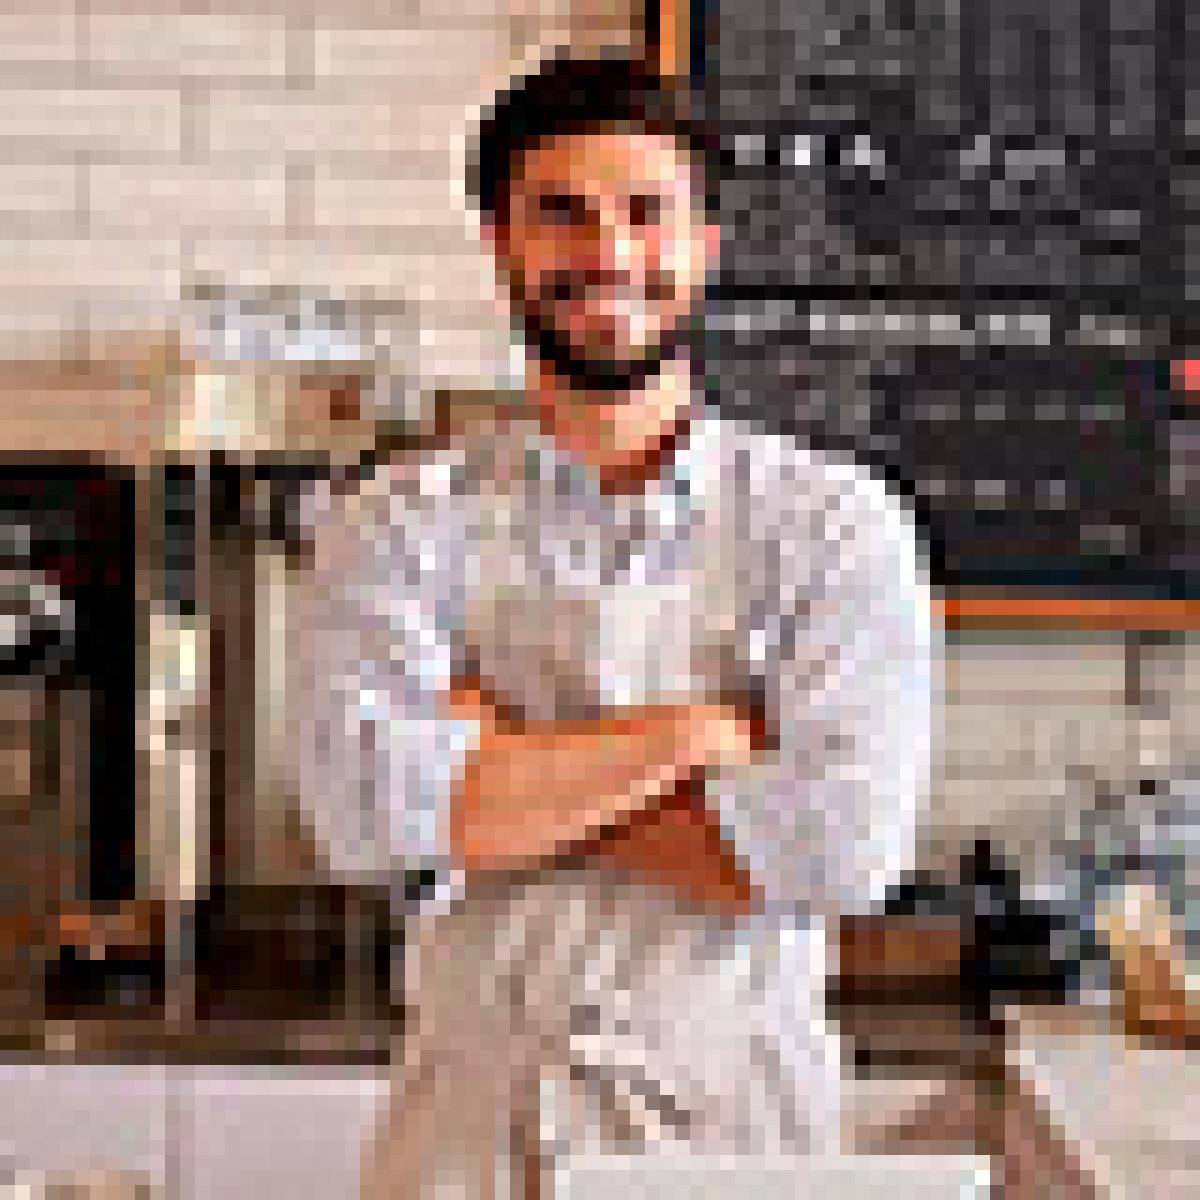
109, 658
700, 15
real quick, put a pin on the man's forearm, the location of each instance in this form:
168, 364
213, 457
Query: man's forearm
680, 844
534, 790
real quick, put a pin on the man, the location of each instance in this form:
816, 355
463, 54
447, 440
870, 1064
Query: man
647, 690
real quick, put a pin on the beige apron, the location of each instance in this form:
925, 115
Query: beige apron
578, 1012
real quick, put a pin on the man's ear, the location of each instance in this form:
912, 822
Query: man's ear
494, 233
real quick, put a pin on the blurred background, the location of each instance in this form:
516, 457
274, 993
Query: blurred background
236, 255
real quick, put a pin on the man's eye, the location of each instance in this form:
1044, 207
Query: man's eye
560, 210
645, 210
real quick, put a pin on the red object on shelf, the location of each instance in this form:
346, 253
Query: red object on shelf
1187, 376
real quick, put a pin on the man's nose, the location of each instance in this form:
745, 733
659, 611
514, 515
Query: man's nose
612, 244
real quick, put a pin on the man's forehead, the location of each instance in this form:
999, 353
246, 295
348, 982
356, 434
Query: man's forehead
620, 159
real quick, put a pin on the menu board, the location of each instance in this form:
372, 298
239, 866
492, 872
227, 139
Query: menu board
957, 247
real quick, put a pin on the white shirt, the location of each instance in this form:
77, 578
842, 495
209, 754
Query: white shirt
749, 561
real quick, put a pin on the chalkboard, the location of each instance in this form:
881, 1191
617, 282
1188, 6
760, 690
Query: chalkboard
958, 246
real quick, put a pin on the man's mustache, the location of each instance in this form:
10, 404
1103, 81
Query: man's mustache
564, 287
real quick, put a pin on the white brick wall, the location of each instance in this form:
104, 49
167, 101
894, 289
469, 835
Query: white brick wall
178, 200
66, 124
41, 197
321, 143
354, 199
35, 39
93, 275
147, 41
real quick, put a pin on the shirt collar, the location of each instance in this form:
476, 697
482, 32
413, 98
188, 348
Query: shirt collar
679, 477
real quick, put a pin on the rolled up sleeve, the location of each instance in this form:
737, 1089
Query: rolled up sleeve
839, 632
377, 758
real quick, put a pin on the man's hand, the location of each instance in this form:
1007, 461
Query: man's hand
679, 843
724, 737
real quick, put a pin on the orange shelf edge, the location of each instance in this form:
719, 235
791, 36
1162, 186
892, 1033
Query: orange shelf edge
999, 612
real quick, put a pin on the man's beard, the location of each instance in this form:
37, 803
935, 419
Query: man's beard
586, 371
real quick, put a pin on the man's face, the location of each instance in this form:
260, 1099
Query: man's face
605, 246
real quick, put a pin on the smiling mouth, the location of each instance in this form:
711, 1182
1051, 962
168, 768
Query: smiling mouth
626, 306
611, 311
